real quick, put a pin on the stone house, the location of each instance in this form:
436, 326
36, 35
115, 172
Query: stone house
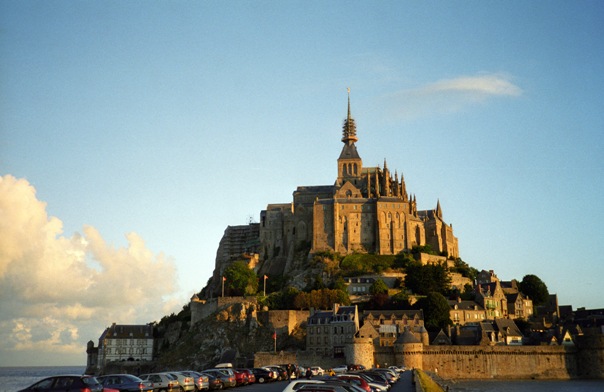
491, 297
328, 332
125, 343
463, 312
519, 306
390, 324
358, 286
508, 332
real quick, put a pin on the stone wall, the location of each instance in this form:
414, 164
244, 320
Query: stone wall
279, 358
302, 358
284, 321
204, 308
467, 362
590, 356
485, 362
586, 360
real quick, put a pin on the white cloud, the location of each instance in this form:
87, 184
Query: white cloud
450, 95
478, 86
58, 292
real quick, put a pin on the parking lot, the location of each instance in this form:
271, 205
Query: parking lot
403, 385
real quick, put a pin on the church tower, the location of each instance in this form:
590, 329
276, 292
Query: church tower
350, 164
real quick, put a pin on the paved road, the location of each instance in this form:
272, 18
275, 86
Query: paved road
403, 385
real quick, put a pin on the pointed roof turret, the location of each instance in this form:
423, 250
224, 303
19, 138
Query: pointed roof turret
439, 212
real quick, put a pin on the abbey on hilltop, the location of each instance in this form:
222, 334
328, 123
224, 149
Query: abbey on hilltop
367, 210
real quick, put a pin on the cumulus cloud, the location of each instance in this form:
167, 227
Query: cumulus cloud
451, 95
58, 292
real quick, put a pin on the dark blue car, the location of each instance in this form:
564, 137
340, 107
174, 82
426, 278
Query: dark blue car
66, 383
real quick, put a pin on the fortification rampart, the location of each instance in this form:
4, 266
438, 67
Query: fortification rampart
201, 309
283, 321
493, 362
302, 358
583, 360
468, 362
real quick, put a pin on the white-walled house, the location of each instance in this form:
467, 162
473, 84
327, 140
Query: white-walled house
125, 342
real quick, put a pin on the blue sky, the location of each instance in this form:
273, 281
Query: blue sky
133, 133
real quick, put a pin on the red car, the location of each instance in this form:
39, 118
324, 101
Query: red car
241, 377
250, 376
355, 380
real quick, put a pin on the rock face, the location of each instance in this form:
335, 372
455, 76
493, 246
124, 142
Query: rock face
237, 243
232, 333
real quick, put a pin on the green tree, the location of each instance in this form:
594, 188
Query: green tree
378, 287
320, 299
535, 289
339, 284
468, 292
240, 279
400, 300
464, 269
436, 311
281, 300
423, 279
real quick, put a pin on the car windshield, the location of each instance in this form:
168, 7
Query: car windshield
90, 380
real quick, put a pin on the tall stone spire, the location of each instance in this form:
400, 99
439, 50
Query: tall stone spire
350, 165
349, 130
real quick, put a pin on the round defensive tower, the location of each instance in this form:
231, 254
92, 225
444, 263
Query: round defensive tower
360, 352
425, 338
408, 350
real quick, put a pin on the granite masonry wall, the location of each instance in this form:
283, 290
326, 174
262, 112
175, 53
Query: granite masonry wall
201, 309
283, 321
585, 360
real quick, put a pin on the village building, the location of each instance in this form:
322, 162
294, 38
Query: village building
328, 332
125, 343
463, 312
491, 297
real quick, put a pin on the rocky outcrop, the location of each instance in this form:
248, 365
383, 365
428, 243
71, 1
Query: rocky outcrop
233, 332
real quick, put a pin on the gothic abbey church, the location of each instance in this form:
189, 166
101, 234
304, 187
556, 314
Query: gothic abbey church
366, 210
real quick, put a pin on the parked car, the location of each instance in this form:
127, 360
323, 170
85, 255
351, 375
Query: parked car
161, 382
279, 371
213, 381
355, 380
297, 384
187, 383
340, 369
323, 388
240, 377
66, 383
381, 375
397, 369
125, 383
263, 375
201, 380
355, 366
317, 371
250, 375
380, 386
227, 378
390, 374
